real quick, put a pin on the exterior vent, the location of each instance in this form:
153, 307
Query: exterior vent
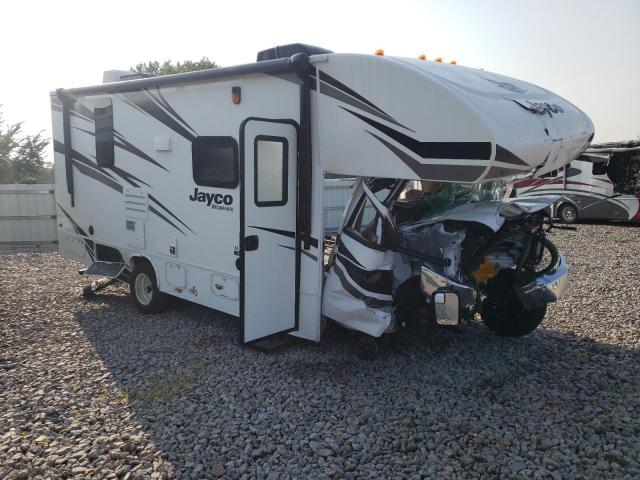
135, 203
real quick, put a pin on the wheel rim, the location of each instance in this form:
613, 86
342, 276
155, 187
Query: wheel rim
569, 214
144, 289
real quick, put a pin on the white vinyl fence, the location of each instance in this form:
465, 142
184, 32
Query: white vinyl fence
336, 194
28, 212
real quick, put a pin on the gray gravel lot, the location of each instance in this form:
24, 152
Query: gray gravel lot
92, 389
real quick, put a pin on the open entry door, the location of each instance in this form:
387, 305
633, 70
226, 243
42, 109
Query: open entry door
270, 248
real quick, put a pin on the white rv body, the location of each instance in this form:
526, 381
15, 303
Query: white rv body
587, 187
258, 254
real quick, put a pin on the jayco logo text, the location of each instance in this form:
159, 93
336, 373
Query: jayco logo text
216, 201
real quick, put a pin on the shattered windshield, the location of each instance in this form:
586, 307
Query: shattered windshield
445, 196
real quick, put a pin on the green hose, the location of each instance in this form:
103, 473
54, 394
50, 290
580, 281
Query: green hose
555, 256
525, 255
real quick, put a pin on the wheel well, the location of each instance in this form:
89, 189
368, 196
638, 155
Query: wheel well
567, 203
137, 260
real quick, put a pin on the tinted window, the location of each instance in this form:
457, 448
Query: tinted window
271, 171
104, 135
215, 161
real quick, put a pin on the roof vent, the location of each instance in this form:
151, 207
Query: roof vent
285, 51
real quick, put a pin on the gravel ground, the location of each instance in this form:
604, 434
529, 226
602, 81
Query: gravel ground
92, 389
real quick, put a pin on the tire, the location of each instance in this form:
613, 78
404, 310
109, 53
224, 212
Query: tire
144, 289
508, 318
366, 347
567, 213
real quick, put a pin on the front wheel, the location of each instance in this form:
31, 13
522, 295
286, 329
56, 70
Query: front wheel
144, 289
567, 213
507, 316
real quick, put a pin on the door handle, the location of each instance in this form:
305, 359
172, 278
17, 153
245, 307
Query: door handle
251, 243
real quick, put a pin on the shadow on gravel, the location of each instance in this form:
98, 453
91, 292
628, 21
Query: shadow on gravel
215, 407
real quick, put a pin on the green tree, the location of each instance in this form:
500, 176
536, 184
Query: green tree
168, 68
22, 157
28, 161
9, 141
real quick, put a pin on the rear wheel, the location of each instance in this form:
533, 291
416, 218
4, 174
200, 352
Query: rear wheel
506, 315
144, 289
567, 213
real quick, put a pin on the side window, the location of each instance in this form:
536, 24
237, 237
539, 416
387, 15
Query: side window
215, 162
367, 223
600, 168
104, 134
271, 170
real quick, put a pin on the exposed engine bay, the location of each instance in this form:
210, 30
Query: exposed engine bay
450, 251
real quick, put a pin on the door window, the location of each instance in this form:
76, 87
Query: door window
271, 165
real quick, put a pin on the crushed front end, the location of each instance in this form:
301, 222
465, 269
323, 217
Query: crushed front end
408, 256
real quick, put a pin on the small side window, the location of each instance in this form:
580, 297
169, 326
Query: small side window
215, 162
367, 225
600, 168
104, 134
271, 170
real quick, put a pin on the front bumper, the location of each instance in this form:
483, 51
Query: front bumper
450, 299
546, 288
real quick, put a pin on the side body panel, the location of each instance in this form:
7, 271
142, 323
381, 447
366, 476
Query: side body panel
148, 204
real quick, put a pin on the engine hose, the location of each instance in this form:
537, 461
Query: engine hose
555, 256
525, 255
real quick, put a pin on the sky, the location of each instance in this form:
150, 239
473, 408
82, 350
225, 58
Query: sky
587, 51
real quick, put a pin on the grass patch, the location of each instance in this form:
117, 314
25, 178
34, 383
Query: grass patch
164, 389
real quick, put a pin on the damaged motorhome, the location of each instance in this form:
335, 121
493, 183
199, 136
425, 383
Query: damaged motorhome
208, 186
601, 184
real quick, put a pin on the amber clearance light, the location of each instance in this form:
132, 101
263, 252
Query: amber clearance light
236, 95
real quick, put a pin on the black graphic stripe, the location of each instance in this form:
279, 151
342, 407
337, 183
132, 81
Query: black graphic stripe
96, 175
129, 177
88, 244
154, 199
376, 281
460, 173
324, 77
441, 150
344, 252
310, 255
143, 102
86, 166
153, 210
370, 302
286, 233
164, 103
127, 146
342, 97
505, 156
